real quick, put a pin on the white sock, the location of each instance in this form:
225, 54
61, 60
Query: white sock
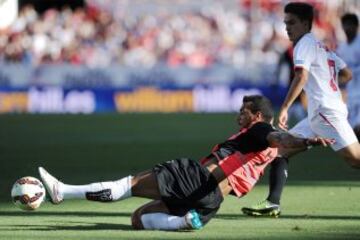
102, 191
163, 221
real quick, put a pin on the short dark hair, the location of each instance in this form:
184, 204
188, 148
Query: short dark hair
350, 18
304, 11
260, 104
357, 131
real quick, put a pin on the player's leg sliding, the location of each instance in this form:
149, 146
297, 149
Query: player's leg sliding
52, 186
271, 206
156, 215
102, 191
164, 221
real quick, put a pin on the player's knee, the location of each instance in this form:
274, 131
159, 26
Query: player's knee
136, 220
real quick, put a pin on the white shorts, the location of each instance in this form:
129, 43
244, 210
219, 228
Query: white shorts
328, 125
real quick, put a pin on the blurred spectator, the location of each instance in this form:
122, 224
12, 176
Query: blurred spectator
197, 37
350, 52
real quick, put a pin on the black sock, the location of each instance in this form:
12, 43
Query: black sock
278, 176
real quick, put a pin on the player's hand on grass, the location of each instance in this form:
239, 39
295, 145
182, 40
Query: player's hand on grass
319, 141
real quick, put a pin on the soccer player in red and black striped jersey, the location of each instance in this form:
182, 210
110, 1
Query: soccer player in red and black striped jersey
186, 193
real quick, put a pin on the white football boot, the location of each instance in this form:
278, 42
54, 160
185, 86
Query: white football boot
52, 185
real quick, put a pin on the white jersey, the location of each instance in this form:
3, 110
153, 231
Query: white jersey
322, 88
327, 113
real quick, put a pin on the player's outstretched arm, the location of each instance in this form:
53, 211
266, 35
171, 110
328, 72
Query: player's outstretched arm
286, 140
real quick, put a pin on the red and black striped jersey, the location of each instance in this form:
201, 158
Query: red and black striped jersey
244, 156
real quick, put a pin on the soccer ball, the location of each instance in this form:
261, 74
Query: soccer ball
28, 193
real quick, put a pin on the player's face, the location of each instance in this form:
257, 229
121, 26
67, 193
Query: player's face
295, 28
246, 117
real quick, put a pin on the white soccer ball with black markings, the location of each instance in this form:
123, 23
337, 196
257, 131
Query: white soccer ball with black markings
28, 193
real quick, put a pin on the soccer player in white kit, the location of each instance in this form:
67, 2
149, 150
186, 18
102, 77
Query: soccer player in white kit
317, 72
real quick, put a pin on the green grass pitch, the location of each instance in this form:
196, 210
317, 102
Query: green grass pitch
321, 200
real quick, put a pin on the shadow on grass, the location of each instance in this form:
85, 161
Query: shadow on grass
301, 217
78, 226
123, 214
70, 213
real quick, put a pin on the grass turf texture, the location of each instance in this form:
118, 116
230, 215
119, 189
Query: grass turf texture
321, 200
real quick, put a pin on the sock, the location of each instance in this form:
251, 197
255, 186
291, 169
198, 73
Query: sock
163, 221
102, 191
278, 176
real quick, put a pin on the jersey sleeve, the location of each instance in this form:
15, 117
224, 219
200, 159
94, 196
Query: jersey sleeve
304, 53
254, 139
259, 133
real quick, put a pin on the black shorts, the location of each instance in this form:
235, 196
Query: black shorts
185, 184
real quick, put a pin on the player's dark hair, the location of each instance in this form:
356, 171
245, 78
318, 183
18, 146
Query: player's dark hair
357, 131
260, 104
304, 11
350, 18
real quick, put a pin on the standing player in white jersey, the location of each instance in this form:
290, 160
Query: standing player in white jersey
317, 72
349, 51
